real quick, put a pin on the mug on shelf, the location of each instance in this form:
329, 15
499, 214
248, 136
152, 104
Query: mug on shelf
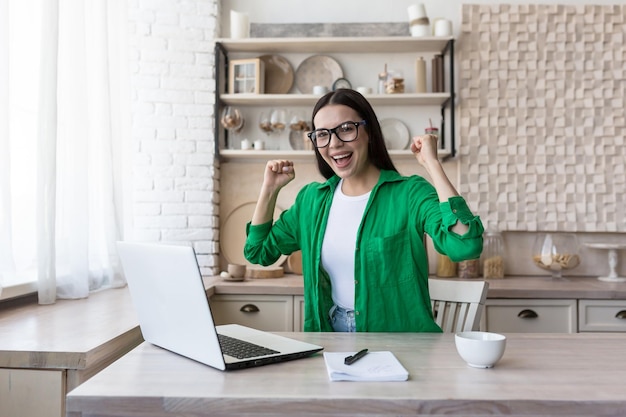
443, 27
320, 89
246, 145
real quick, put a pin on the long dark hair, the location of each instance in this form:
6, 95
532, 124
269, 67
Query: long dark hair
377, 150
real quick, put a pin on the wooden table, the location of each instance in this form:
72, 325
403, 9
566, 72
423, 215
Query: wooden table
540, 374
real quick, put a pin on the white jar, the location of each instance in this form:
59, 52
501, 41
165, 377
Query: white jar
416, 11
419, 30
443, 27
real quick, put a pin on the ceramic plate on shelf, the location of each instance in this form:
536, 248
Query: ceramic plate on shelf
396, 134
278, 74
317, 70
233, 234
297, 140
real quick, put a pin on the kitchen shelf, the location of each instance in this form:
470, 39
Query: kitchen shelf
425, 99
387, 44
233, 155
347, 45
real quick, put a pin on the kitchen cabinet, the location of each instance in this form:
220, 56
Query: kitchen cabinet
278, 313
554, 315
298, 313
602, 315
357, 56
27, 392
263, 312
579, 304
530, 316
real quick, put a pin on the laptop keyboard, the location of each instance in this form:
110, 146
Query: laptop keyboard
241, 349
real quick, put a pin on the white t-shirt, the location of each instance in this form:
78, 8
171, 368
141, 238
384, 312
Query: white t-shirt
339, 244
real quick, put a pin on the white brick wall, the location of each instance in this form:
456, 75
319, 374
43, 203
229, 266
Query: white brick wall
175, 175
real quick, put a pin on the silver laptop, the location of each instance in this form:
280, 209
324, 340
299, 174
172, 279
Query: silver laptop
174, 313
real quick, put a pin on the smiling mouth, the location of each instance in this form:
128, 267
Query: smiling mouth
342, 160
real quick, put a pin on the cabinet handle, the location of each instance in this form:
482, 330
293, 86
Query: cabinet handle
621, 315
527, 314
249, 308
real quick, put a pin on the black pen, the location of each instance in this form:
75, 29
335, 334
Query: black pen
349, 360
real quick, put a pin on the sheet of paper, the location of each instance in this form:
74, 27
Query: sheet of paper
375, 366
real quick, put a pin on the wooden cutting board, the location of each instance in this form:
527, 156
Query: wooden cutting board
294, 262
260, 272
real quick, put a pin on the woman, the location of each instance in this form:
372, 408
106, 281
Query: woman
361, 232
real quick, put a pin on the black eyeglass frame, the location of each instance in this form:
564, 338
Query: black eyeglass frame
334, 130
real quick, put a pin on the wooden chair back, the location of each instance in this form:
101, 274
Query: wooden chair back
457, 305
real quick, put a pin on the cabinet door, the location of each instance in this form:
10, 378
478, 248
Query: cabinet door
298, 313
25, 392
530, 316
602, 315
263, 312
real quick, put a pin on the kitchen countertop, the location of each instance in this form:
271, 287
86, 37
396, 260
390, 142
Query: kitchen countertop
69, 334
79, 337
546, 287
509, 287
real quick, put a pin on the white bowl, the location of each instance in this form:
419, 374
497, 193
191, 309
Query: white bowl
480, 349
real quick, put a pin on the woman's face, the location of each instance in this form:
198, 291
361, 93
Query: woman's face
347, 159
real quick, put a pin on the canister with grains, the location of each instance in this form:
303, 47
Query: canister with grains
469, 268
445, 267
492, 258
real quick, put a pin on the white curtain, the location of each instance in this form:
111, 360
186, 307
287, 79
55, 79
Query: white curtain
5, 261
61, 201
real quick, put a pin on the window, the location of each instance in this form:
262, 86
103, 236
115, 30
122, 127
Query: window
62, 123
17, 204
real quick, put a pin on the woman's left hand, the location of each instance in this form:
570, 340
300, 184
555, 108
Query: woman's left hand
424, 148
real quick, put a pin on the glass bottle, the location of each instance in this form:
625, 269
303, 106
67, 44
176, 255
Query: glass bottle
492, 258
432, 131
382, 81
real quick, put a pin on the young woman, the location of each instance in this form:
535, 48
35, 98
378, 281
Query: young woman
362, 231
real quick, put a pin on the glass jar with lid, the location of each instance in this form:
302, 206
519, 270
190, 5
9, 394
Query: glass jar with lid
492, 258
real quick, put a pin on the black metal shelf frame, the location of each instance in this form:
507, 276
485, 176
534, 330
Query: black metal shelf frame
449, 49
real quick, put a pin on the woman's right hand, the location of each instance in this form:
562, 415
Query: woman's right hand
278, 173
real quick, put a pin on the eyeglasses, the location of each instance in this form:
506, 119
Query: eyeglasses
345, 132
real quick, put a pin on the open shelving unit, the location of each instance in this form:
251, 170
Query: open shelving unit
225, 48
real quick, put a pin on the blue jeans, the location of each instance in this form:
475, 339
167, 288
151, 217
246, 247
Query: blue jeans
342, 320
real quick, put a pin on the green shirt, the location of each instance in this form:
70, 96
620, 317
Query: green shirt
391, 264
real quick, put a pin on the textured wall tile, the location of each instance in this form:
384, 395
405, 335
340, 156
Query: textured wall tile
542, 115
